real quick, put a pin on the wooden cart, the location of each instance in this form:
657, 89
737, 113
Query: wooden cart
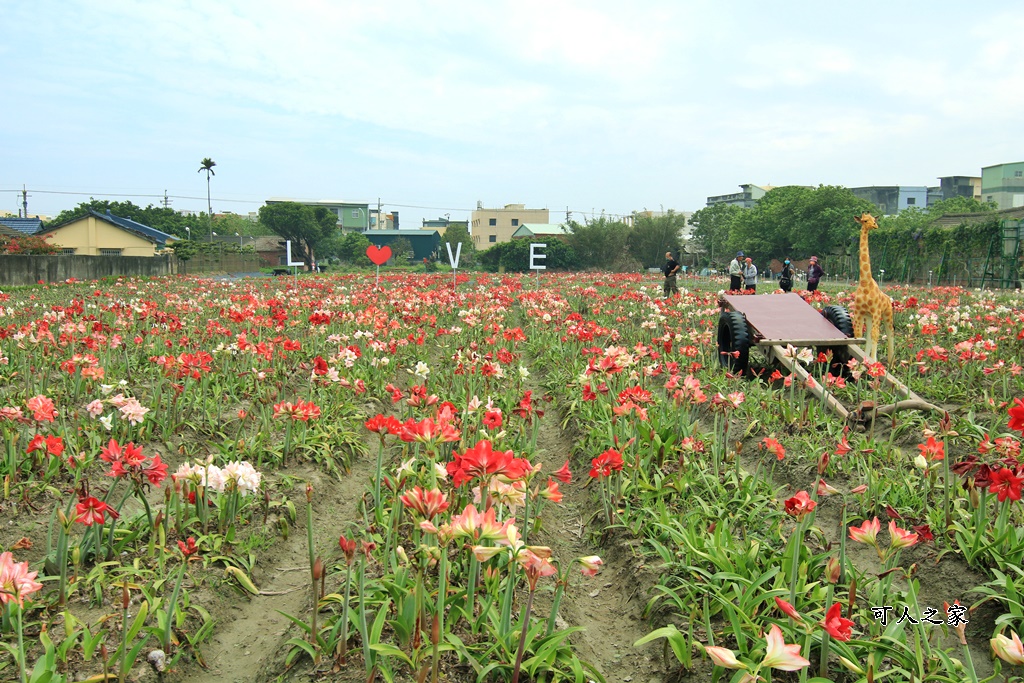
773, 322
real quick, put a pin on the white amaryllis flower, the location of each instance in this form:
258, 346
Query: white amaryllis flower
107, 421
243, 476
523, 372
106, 389
805, 356
421, 370
406, 469
474, 403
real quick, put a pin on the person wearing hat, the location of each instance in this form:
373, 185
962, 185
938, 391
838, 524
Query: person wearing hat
736, 273
786, 277
750, 275
814, 273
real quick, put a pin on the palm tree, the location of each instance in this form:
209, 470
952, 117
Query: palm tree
207, 165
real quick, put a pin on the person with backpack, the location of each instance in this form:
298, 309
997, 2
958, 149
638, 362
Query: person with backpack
786, 277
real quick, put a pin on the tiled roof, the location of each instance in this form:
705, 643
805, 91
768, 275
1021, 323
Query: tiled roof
27, 226
143, 231
527, 229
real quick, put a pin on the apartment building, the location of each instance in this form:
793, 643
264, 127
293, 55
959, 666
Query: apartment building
495, 226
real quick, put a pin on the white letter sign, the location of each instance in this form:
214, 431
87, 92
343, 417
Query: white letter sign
454, 260
534, 256
288, 246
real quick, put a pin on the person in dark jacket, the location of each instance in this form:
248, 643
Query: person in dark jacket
671, 269
814, 274
786, 277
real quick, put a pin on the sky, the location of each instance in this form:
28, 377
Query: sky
433, 106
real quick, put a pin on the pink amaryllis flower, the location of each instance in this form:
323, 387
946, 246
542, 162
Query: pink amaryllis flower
900, 538
836, 624
43, 409
16, 581
1010, 650
476, 526
866, 532
723, 657
780, 656
425, 503
590, 564
303, 411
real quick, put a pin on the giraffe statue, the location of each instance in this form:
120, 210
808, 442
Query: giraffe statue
871, 306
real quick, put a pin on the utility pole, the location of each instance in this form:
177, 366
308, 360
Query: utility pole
378, 215
568, 214
167, 200
24, 200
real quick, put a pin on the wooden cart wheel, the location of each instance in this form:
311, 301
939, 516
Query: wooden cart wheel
733, 342
840, 319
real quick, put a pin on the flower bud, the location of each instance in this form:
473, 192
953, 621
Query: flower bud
125, 598
318, 569
832, 570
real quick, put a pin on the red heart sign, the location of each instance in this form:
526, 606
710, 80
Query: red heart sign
379, 255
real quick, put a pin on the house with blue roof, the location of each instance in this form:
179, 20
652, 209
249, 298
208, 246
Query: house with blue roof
24, 226
103, 234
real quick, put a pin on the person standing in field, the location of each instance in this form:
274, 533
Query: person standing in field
736, 273
750, 275
814, 273
786, 277
671, 269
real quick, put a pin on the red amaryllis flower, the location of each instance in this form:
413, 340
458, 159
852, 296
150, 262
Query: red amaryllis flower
382, 425
428, 431
301, 410
188, 547
42, 408
481, 461
932, 450
924, 533
836, 625
563, 474
426, 503
800, 505
773, 446
492, 419
348, 547
1005, 484
604, 464
1016, 412
788, 609
91, 511
551, 491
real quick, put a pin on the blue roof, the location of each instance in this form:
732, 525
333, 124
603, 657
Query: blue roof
143, 231
29, 226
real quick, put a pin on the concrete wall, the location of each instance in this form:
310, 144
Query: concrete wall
28, 270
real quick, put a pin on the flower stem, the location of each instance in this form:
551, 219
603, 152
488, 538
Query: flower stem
522, 638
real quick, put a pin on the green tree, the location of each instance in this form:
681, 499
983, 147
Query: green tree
455, 235
798, 221
514, 256
652, 236
960, 205
599, 243
207, 165
401, 249
712, 227
298, 223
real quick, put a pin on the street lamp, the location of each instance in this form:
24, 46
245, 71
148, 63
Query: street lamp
189, 231
239, 240
212, 235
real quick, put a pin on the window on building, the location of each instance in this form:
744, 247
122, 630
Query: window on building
989, 198
68, 251
1018, 174
492, 238
493, 221
515, 222
110, 252
355, 213
911, 201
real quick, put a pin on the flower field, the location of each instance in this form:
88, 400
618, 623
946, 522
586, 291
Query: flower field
510, 480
